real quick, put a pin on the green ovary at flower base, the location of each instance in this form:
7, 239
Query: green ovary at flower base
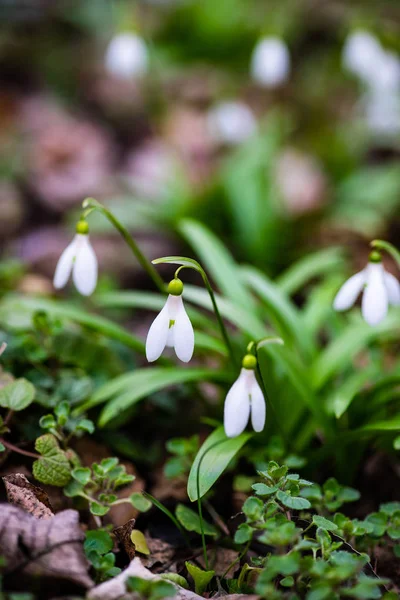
171, 327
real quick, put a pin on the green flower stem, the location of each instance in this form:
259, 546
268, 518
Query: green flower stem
237, 559
91, 204
389, 248
267, 398
221, 325
169, 514
199, 505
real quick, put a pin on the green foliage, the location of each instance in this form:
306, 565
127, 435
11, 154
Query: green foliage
308, 554
212, 460
64, 425
139, 541
17, 395
184, 451
149, 589
200, 577
125, 391
97, 546
98, 485
53, 468
191, 521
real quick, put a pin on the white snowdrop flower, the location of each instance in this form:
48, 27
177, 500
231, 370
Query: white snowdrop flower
245, 399
382, 98
80, 259
382, 112
127, 56
387, 72
380, 289
362, 54
172, 327
270, 62
231, 122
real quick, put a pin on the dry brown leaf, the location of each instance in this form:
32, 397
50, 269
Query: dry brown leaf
123, 535
161, 552
49, 549
224, 558
27, 496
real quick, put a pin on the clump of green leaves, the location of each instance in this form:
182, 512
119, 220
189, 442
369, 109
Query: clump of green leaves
308, 551
98, 547
98, 485
150, 590
63, 425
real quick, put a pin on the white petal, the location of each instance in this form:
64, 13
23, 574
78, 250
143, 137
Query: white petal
170, 338
257, 407
393, 288
64, 265
375, 298
84, 272
158, 333
183, 334
349, 291
237, 406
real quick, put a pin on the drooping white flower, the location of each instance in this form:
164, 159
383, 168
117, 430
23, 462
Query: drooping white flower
382, 98
362, 54
171, 327
380, 290
245, 399
231, 122
80, 259
270, 62
126, 56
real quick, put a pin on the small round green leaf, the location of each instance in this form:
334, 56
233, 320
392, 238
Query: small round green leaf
17, 395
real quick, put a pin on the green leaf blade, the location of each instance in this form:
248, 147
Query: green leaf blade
212, 459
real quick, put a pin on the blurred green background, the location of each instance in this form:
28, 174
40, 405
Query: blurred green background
301, 166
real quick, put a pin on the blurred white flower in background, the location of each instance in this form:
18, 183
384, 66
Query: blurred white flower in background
127, 56
231, 122
270, 62
379, 288
361, 54
379, 70
80, 259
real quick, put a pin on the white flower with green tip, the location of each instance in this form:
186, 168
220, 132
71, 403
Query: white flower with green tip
380, 289
171, 327
244, 400
80, 259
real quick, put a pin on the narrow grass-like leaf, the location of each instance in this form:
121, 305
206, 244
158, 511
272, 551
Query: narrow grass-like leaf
313, 265
213, 458
67, 311
217, 261
342, 396
125, 391
346, 346
280, 309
